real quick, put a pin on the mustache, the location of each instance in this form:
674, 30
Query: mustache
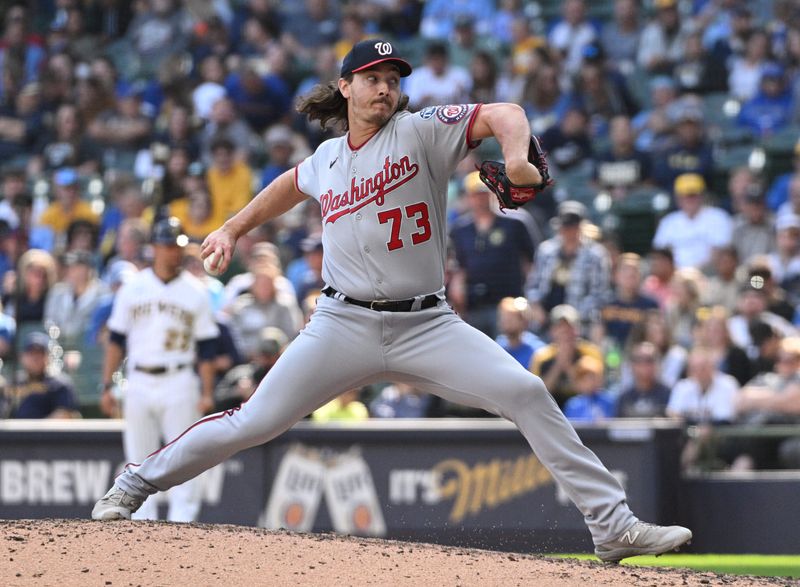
386, 101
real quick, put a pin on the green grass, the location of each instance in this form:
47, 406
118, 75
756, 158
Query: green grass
735, 564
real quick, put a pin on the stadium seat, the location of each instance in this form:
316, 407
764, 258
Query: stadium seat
780, 151
720, 110
635, 218
639, 86
725, 160
576, 185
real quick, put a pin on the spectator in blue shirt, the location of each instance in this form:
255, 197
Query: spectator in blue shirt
592, 403
647, 396
305, 272
439, 16
280, 149
771, 108
778, 193
622, 167
21, 122
569, 143
21, 55
513, 316
401, 400
40, 395
494, 253
543, 99
261, 99
628, 307
8, 333
688, 151
119, 272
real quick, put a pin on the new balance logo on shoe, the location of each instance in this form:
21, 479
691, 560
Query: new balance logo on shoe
631, 539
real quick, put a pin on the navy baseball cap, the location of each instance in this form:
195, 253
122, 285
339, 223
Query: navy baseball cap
772, 70
36, 340
169, 232
368, 53
311, 243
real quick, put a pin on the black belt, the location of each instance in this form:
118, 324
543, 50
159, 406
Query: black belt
384, 305
160, 369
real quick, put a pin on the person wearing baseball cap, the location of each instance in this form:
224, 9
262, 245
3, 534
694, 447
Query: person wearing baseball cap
555, 362
68, 205
71, 301
493, 251
307, 274
770, 109
695, 228
570, 268
169, 232
239, 383
592, 403
754, 225
38, 394
279, 141
162, 321
168, 241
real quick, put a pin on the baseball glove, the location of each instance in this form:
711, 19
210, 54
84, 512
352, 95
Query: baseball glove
511, 195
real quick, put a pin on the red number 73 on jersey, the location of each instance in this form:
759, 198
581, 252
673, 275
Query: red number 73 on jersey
417, 212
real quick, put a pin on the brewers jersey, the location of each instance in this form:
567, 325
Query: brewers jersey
162, 321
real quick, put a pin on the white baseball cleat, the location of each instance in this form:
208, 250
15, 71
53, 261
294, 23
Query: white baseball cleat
116, 505
643, 538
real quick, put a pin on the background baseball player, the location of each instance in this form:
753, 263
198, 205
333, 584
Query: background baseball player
162, 320
382, 192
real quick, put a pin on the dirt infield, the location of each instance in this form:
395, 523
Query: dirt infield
78, 552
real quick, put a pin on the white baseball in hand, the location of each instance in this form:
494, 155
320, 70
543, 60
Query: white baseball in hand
212, 263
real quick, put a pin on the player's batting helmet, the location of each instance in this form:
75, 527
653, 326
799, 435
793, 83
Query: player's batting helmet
169, 231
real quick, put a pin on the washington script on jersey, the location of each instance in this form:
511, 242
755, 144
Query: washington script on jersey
367, 189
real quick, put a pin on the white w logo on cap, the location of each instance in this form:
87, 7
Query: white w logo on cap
383, 48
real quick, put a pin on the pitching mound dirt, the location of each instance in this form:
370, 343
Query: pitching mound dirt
77, 552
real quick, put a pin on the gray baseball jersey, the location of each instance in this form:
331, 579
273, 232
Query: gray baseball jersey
384, 203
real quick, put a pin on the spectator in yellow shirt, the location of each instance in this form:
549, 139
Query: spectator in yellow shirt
67, 207
230, 181
345, 408
195, 213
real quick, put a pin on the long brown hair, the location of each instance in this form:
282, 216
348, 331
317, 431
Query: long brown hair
327, 104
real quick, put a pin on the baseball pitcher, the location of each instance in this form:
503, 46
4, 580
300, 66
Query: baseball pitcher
382, 315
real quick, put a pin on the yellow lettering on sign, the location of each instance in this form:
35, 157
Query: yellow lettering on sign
488, 485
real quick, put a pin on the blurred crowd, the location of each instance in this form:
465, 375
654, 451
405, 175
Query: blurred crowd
659, 276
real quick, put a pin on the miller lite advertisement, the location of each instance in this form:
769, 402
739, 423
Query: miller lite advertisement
305, 475
296, 492
351, 496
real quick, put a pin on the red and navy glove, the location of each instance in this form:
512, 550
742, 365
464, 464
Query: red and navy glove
509, 194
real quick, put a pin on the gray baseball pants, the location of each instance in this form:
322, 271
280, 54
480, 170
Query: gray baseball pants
346, 346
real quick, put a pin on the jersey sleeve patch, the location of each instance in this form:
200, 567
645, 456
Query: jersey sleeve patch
452, 113
427, 112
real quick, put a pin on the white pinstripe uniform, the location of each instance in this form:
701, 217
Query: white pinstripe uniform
162, 323
384, 235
